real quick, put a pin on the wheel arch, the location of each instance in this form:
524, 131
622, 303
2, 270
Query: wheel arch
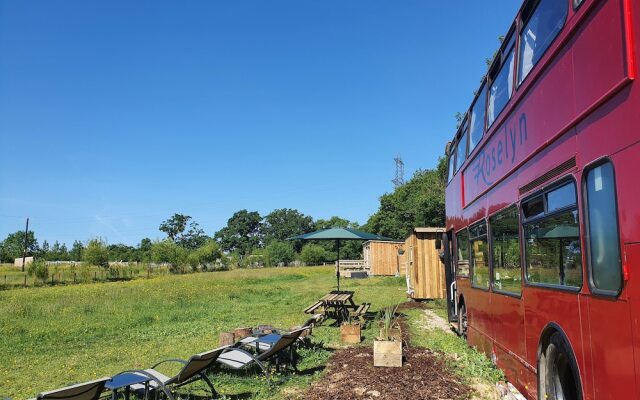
543, 342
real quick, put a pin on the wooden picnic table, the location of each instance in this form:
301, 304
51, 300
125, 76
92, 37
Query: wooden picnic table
339, 305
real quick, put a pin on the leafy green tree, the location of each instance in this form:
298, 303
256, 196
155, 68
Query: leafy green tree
121, 252
283, 223
242, 234
167, 251
77, 251
419, 202
174, 226
12, 247
312, 254
279, 252
144, 250
96, 253
45, 251
182, 230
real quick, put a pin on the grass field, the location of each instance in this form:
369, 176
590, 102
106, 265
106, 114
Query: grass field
53, 336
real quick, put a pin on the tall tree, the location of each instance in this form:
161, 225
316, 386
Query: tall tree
419, 202
12, 247
76, 251
45, 251
175, 225
284, 223
242, 234
182, 230
144, 250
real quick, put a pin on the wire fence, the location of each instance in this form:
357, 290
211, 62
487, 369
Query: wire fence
68, 274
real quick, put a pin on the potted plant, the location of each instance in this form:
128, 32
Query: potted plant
351, 331
387, 348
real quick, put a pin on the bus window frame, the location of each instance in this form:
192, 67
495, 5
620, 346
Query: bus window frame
464, 129
453, 150
585, 205
520, 244
499, 62
543, 191
522, 23
468, 276
472, 268
483, 88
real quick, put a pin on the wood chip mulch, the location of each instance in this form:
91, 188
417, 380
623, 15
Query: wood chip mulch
350, 374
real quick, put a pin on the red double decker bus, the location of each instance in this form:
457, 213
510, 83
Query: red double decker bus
543, 204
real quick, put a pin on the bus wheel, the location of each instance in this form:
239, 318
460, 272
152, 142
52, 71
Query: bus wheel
463, 322
558, 377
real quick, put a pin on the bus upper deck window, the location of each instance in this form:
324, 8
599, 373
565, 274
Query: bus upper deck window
462, 151
477, 119
542, 24
501, 83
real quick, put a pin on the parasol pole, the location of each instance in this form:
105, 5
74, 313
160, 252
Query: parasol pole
338, 266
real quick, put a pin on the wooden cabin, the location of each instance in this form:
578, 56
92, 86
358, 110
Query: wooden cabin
425, 270
382, 258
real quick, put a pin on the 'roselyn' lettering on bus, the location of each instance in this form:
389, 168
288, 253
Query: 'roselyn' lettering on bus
502, 149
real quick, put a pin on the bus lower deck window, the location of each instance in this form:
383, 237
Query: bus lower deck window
552, 241
507, 272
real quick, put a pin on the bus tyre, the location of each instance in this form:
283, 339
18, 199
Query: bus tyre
558, 376
463, 323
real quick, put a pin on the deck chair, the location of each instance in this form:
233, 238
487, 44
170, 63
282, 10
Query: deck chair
82, 391
237, 357
263, 345
193, 369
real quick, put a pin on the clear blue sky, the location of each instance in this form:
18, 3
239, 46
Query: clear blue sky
114, 115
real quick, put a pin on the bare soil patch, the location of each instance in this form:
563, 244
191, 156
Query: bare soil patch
350, 374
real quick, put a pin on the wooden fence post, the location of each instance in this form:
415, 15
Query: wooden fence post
25, 281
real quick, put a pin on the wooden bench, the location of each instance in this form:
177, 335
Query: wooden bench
312, 308
360, 312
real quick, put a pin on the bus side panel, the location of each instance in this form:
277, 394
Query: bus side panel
544, 306
599, 53
478, 304
508, 325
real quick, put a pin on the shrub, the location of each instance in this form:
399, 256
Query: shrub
96, 253
312, 254
279, 253
38, 269
168, 252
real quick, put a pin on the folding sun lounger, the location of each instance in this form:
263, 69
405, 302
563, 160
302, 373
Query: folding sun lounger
194, 369
82, 391
271, 345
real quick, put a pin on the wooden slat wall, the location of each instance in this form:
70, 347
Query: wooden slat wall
384, 258
427, 271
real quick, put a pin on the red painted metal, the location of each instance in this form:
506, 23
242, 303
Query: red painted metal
580, 100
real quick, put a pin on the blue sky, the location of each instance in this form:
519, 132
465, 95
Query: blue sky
114, 115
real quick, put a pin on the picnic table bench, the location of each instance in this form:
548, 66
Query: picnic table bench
338, 305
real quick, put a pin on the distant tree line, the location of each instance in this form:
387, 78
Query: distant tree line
251, 239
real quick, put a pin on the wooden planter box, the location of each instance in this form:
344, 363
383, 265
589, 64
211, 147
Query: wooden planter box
350, 333
387, 353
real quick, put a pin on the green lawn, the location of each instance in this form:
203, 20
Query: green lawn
53, 336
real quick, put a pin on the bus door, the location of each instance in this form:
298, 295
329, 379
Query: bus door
446, 255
